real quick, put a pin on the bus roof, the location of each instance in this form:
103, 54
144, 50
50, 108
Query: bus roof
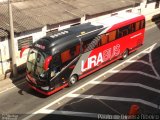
69, 37
64, 39
121, 17
118, 20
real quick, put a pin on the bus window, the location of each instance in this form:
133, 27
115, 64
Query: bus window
124, 31
133, 28
112, 35
142, 24
104, 39
55, 65
86, 44
70, 53
56, 60
137, 25
74, 51
77, 50
94, 44
65, 56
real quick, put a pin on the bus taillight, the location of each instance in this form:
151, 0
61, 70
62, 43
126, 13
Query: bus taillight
47, 62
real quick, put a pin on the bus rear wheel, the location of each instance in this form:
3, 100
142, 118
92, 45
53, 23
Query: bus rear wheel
125, 54
72, 80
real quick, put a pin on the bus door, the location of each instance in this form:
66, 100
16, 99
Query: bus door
62, 65
55, 69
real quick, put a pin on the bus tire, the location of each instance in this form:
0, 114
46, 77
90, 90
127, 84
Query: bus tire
125, 54
72, 80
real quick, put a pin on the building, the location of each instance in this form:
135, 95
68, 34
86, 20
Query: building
34, 19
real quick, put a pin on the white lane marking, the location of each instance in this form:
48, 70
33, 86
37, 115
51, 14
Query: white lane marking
126, 84
140, 61
12, 87
70, 113
136, 35
48, 111
122, 99
132, 72
108, 106
150, 63
152, 66
151, 49
101, 75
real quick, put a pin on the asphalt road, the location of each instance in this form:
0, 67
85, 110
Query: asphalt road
109, 91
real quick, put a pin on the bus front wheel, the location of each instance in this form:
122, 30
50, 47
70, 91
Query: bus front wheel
72, 80
125, 54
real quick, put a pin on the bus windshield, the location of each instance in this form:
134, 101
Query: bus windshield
35, 62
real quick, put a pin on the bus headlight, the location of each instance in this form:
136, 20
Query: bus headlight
52, 73
45, 88
42, 75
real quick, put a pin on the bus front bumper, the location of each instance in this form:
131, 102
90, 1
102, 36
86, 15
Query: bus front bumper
43, 90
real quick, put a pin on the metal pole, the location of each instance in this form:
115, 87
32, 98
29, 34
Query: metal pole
13, 53
1, 61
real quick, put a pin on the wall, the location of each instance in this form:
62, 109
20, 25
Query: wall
35, 36
149, 9
5, 56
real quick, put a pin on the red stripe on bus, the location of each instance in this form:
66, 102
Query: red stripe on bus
50, 92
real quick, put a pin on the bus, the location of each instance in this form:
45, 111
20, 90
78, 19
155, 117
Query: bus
60, 60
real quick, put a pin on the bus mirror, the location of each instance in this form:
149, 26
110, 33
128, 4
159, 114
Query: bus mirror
47, 62
22, 50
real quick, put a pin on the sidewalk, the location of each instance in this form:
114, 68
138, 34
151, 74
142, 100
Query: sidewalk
9, 83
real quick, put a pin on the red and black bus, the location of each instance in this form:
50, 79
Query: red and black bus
63, 58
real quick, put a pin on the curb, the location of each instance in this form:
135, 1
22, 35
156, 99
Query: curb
21, 75
9, 83
9, 75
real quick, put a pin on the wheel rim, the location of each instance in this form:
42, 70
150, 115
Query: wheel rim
73, 80
125, 54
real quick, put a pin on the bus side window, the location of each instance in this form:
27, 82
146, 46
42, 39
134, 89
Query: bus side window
56, 62
85, 45
142, 24
104, 39
77, 50
137, 25
124, 31
74, 51
56, 59
133, 27
65, 56
112, 35
95, 43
